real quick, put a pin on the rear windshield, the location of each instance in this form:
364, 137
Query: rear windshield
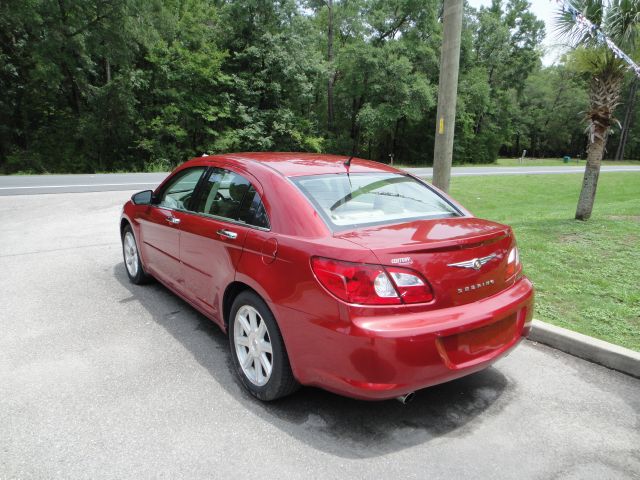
363, 199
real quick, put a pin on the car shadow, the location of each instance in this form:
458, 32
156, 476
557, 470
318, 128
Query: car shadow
340, 426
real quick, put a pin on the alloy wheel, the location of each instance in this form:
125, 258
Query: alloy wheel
130, 254
253, 345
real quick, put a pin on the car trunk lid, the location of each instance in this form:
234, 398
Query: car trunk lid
464, 259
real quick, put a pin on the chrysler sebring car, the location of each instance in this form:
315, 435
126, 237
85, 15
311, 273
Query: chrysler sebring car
330, 271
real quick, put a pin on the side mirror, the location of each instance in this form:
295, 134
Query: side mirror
145, 197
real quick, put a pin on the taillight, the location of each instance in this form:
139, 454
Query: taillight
355, 282
370, 284
513, 263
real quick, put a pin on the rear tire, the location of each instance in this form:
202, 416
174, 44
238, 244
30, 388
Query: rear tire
132, 261
257, 349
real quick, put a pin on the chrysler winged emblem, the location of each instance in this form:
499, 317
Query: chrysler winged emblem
475, 263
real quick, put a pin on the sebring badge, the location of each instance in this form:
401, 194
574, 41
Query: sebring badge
475, 263
476, 286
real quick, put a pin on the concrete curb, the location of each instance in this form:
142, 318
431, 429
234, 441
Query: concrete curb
588, 348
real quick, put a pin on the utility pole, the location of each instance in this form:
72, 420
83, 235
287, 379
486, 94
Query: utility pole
447, 93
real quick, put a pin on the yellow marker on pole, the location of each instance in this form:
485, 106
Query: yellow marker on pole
441, 127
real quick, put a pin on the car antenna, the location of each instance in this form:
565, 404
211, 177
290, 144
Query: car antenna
347, 164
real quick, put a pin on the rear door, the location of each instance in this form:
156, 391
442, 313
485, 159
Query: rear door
213, 238
160, 226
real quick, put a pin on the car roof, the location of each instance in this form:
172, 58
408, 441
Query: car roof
291, 164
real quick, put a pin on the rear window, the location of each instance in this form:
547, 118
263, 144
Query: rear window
363, 199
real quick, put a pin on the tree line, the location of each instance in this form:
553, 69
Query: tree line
107, 85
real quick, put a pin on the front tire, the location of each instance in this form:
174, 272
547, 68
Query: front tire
132, 261
257, 349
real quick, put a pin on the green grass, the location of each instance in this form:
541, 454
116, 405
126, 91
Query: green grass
587, 274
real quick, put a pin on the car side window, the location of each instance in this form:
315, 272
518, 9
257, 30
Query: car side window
252, 210
177, 194
222, 194
229, 195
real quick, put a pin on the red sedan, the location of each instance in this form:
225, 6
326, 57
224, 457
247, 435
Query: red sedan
341, 273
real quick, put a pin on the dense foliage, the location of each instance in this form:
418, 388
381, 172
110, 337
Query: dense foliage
103, 85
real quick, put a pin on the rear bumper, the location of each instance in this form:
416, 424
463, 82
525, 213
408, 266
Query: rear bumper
383, 356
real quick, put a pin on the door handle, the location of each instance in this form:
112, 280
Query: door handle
173, 220
227, 234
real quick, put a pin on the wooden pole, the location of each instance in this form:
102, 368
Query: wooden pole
447, 93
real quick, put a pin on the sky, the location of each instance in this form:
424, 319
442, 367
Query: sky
545, 10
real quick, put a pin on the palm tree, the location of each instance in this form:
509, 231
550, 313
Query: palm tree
618, 20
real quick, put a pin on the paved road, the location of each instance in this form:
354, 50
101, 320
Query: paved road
37, 184
103, 379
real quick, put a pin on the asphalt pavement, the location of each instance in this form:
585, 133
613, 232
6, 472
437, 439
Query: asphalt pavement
103, 379
38, 184
99, 182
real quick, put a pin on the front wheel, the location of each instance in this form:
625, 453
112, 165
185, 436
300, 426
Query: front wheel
132, 261
257, 349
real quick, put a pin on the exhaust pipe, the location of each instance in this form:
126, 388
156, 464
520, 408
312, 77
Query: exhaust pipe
406, 398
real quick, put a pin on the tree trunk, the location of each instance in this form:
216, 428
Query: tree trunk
332, 78
107, 68
604, 93
628, 118
394, 144
590, 180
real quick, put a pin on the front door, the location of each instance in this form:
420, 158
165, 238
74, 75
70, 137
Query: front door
160, 226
